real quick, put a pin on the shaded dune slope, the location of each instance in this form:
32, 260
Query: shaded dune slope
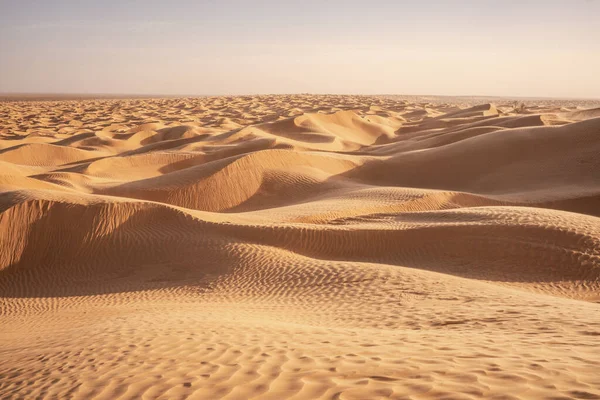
119, 246
540, 166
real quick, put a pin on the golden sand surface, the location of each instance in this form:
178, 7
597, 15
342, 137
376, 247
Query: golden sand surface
299, 247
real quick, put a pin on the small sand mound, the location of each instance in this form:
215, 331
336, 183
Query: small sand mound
38, 154
345, 126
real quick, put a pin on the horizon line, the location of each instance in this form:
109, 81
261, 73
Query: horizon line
109, 95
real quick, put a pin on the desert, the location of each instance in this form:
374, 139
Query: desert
299, 247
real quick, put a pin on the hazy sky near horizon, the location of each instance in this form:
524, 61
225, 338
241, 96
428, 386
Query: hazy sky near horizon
547, 48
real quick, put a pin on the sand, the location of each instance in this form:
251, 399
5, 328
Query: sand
299, 247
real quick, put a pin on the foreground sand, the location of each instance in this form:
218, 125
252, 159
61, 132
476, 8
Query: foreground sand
299, 247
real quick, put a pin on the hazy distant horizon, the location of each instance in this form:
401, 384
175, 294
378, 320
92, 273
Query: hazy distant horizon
4, 95
535, 49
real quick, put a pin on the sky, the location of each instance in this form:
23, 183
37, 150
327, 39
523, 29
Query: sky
530, 48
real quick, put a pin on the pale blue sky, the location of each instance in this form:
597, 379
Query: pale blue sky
545, 48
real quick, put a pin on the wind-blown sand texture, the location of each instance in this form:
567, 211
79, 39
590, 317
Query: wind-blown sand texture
301, 247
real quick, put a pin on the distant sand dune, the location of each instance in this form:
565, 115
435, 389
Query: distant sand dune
302, 247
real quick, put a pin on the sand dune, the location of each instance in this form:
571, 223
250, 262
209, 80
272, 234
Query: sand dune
522, 164
341, 247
